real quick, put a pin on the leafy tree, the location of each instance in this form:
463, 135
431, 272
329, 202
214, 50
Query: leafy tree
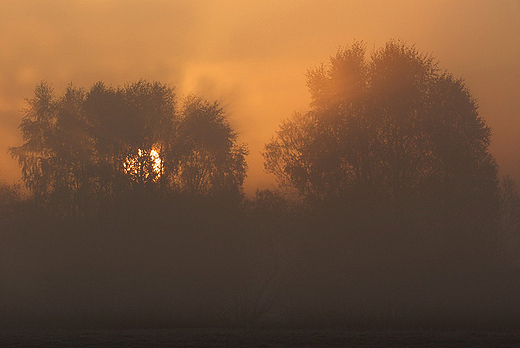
393, 143
104, 142
208, 156
394, 123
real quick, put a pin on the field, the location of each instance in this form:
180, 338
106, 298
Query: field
257, 338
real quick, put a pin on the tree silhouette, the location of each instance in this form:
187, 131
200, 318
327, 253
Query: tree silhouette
394, 159
105, 142
393, 124
208, 158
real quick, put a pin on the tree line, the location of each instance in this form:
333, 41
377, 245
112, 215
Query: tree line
389, 209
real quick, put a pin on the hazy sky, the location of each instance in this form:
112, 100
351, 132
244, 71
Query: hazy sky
252, 55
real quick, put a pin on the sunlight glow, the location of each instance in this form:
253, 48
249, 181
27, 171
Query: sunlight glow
144, 165
157, 162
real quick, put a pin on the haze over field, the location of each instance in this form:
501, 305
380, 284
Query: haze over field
252, 57
380, 124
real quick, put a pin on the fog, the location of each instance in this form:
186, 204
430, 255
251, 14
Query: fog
251, 57
340, 181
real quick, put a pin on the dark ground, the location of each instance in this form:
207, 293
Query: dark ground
256, 338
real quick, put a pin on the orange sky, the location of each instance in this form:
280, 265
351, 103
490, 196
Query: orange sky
252, 56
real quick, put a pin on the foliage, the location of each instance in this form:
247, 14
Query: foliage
393, 125
401, 217
105, 142
208, 158
393, 161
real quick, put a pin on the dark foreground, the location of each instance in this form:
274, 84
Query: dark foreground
257, 338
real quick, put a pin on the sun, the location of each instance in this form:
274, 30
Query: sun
157, 164
144, 165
